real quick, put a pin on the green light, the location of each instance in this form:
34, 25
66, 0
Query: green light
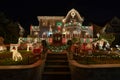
59, 24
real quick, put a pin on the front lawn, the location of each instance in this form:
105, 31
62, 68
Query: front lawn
97, 58
28, 58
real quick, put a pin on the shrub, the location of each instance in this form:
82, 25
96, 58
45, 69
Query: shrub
28, 58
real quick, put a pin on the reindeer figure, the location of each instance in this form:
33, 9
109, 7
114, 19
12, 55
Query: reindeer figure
118, 47
16, 55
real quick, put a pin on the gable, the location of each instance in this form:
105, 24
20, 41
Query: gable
115, 21
73, 15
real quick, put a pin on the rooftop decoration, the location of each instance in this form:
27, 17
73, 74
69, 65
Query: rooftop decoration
74, 13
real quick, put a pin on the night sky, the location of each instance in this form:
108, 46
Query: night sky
26, 11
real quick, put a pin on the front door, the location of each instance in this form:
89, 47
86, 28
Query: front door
57, 38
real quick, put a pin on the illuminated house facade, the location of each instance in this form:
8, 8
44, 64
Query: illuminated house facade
59, 27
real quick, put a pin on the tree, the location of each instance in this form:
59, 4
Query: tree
74, 40
69, 42
13, 29
109, 37
9, 30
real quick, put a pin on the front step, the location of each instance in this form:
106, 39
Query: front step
56, 62
56, 67
56, 73
56, 57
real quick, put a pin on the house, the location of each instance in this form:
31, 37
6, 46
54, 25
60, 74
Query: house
58, 27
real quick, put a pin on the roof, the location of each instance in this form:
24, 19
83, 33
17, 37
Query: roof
50, 17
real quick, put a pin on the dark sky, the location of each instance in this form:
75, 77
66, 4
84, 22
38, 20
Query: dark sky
26, 11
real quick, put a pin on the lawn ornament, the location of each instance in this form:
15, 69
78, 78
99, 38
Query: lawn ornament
29, 46
16, 55
118, 47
